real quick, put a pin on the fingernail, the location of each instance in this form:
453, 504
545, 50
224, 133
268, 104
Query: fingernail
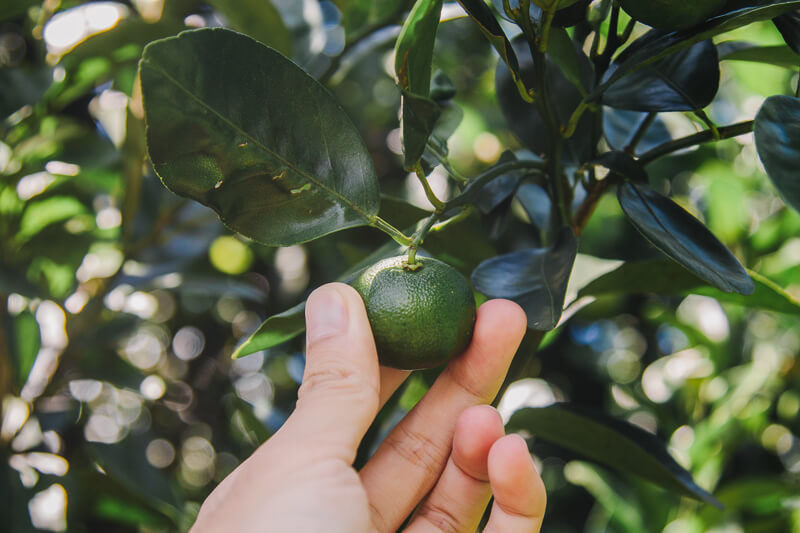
326, 315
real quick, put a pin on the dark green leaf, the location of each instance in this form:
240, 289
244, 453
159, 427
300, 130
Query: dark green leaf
610, 442
683, 81
537, 204
620, 126
777, 135
662, 44
268, 149
536, 279
668, 277
418, 118
789, 26
488, 196
568, 14
623, 164
683, 238
562, 51
778, 55
525, 120
482, 15
21, 86
257, 18
256, 432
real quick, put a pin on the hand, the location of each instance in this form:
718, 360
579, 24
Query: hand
445, 458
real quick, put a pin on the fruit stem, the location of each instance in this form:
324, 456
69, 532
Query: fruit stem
418, 237
437, 204
466, 211
548, 21
398, 236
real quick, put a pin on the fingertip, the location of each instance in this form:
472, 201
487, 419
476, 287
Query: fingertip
515, 482
477, 429
509, 313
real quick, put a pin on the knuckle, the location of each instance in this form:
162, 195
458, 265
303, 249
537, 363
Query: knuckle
417, 449
337, 379
440, 518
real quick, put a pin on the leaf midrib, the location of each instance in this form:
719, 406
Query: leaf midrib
256, 142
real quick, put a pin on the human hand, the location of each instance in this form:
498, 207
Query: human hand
445, 458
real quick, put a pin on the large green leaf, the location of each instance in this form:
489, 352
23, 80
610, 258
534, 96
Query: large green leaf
268, 148
779, 55
536, 279
777, 135
413, 58
259, 19
610, 442
661, 44
682, 237
668, 277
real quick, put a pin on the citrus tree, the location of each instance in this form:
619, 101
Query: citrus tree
625, 171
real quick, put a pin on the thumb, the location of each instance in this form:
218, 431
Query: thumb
339, 396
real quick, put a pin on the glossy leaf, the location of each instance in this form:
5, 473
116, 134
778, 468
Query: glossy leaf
413, 58
683, 81
537, 204
483, 16
789, 26
414, 47
620, 125
662, 44
777, 135
622, 164
536, 279
607, 441
275, 330
493, 193
268, 149
259, 19
683, 238
778, 55
525, 120
668, 277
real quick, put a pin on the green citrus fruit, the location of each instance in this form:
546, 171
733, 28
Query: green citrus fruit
671, 14
420, 318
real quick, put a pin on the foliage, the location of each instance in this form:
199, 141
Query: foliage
149, 344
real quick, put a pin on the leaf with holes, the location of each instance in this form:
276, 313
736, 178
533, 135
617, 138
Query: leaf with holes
683, 238
268, 148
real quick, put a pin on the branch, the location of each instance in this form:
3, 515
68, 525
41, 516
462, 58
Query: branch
702, 137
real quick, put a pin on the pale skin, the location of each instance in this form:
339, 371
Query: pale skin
442, 462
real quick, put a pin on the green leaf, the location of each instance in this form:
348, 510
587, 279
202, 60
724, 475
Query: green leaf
287, 325
682, 237
536, 279
662, 44
269, 149
25, 341
414, 47
413, 58
667, 277
43, 213
777, 135
789, 27
610, 442
482, 15
562, 51
259, 19
275, 330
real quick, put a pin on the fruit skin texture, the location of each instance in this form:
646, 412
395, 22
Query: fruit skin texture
671, 14
420, 318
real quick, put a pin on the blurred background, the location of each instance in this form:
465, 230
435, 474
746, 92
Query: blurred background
120, 303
